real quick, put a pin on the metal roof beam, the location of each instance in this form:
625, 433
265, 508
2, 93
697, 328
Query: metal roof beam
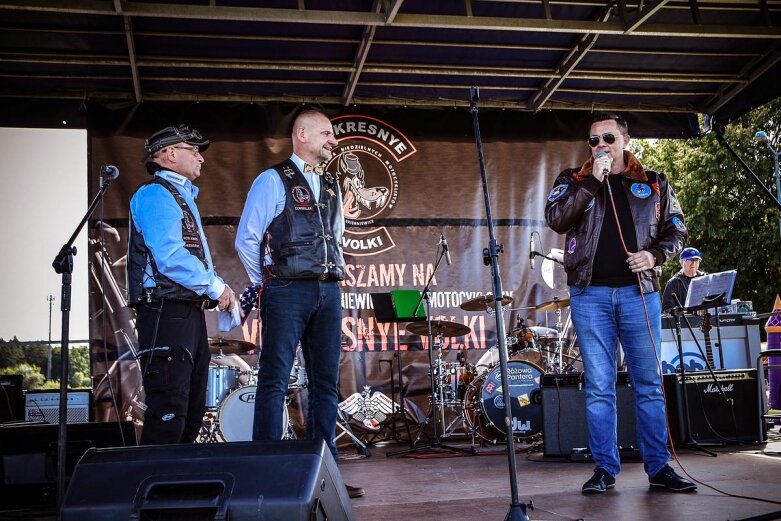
131, 50
360, 56
256, 14
753, 70
568, 63
643, 14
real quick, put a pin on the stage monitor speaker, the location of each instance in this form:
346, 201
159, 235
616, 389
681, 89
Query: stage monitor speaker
28, 457
712, 419
269, 481
44, 406
11, 398
565, 431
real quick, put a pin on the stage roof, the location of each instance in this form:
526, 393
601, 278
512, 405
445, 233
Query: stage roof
718, 57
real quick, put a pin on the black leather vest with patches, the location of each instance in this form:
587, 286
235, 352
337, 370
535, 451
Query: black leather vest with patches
138, 254
301, 239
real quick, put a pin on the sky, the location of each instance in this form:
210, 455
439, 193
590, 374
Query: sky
43, 197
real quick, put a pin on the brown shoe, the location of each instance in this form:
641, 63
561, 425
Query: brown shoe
354, 492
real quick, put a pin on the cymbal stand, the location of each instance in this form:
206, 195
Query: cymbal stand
558, 362
434, 441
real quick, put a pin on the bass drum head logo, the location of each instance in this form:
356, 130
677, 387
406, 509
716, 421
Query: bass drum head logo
366, 162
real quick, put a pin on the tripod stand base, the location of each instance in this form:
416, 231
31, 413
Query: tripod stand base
516, 513
433, 444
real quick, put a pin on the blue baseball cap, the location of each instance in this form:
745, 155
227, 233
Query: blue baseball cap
690, 254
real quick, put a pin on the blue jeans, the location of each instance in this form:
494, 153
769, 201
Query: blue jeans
309, 311
603, 316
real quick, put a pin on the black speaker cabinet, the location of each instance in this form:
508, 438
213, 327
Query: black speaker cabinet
712, 419
269, 481
28, 457
11, 398
565, 432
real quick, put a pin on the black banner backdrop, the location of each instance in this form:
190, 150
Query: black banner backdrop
404, 184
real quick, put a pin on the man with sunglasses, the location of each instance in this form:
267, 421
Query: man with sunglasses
170, 281
622, 222
678, 286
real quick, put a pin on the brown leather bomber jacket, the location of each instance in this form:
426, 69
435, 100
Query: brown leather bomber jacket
576, 206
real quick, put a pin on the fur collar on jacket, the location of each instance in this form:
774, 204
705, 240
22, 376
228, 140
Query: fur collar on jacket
634, 170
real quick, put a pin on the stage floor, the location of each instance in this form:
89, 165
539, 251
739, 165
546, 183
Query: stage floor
467, 488
437, 485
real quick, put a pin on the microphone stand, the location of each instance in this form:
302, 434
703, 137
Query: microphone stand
517, 510
63, 264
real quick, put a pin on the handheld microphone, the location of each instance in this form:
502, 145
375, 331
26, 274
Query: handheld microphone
109, 173
605, 171
444, 247
531, 250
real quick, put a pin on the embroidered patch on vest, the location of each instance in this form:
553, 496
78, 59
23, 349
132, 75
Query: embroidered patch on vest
288, 172
302, 198
572, 245
640, 190
190, 235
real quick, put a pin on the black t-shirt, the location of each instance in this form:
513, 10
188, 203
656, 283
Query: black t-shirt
610, 267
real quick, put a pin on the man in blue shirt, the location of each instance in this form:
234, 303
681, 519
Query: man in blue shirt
289, 240
170, 281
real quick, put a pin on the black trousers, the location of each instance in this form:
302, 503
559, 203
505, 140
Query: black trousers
174, 356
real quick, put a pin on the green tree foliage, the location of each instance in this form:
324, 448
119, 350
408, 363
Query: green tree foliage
30, 361
732, 221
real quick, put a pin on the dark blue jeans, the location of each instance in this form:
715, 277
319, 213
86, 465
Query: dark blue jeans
603, 317
308, 311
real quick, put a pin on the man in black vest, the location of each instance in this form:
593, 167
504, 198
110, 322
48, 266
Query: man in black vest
170, 281
289, 240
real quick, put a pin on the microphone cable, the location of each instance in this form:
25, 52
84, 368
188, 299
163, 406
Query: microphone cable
659, 365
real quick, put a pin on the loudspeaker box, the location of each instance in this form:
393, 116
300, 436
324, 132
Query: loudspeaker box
712, 419
270, 480
565, 432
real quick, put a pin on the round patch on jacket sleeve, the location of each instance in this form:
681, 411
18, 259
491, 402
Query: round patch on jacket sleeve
572, 246
557, 192
678, 222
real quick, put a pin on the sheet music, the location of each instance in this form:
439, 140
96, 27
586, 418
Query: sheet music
710, 290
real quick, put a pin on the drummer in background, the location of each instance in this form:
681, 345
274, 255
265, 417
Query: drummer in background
170, 281
678, 286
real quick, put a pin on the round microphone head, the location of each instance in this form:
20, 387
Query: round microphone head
601, 154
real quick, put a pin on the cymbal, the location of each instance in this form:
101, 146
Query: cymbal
484, 303
438, 327
553, 305
229, 346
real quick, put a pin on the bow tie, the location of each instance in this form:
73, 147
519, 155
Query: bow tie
319, 169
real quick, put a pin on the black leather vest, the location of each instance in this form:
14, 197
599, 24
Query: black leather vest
301, 240
138, 254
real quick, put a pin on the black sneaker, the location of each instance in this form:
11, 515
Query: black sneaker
667, 478
599, 482
354, 492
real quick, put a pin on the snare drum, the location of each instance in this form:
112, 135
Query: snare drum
484, 409
221, 381
234, 418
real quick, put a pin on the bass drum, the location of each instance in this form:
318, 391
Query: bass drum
234, 418
484, 404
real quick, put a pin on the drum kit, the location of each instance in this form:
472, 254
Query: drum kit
475, 389
230, 393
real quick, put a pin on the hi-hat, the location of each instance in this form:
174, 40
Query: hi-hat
438, 327
484, 303
229, 346
552, 305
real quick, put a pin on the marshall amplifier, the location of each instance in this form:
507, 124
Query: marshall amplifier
564, 416
712, 419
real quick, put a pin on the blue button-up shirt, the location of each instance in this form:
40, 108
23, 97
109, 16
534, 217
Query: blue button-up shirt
158, 217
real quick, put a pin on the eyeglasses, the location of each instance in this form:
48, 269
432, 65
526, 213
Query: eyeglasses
194, 150
608, 137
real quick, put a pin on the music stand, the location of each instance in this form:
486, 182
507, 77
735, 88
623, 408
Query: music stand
394, 307
705, 292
